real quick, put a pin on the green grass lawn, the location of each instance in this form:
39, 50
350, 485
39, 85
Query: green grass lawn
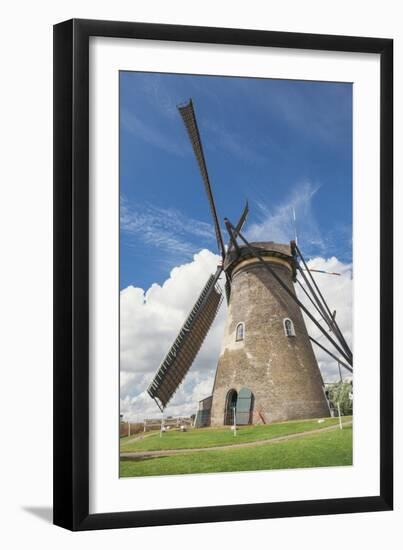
333, 448
211, 437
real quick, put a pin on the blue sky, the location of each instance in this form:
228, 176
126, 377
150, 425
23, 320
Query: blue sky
281, 144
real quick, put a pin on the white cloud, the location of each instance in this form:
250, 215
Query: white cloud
278, 224
150, 320
164, 228
338, 293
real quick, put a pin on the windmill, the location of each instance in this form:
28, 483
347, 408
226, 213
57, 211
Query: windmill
267, 370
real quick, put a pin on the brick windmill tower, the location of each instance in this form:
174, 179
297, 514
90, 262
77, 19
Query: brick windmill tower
267, 370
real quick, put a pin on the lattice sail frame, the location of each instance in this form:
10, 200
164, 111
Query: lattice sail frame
189, 119
187, 344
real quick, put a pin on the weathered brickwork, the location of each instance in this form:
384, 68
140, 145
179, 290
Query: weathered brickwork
281, 371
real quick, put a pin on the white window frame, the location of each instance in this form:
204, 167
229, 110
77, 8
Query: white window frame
285, 327
243, 332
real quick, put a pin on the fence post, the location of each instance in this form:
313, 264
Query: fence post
338, 408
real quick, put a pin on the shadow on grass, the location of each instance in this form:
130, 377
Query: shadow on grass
140, 458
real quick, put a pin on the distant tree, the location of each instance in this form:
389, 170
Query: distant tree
341, 393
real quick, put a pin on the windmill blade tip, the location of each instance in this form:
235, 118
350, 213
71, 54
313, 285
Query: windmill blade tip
185, 104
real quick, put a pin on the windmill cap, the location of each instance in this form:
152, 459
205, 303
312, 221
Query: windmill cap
267, 249
271, 246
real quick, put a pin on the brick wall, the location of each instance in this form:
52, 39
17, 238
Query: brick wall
281, 371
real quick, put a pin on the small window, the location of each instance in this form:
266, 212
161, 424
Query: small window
288, 327
240, 330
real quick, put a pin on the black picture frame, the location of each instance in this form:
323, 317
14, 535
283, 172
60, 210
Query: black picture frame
71, 274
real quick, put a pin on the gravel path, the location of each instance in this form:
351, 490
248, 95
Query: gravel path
138, 455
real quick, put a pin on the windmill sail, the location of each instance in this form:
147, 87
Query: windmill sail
189, 119
239, 225
183, 351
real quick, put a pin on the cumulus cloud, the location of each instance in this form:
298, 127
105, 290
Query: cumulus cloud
338, 293
151, 319
149, 322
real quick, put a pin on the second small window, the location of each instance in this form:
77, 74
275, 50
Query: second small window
288, 327
239, 333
